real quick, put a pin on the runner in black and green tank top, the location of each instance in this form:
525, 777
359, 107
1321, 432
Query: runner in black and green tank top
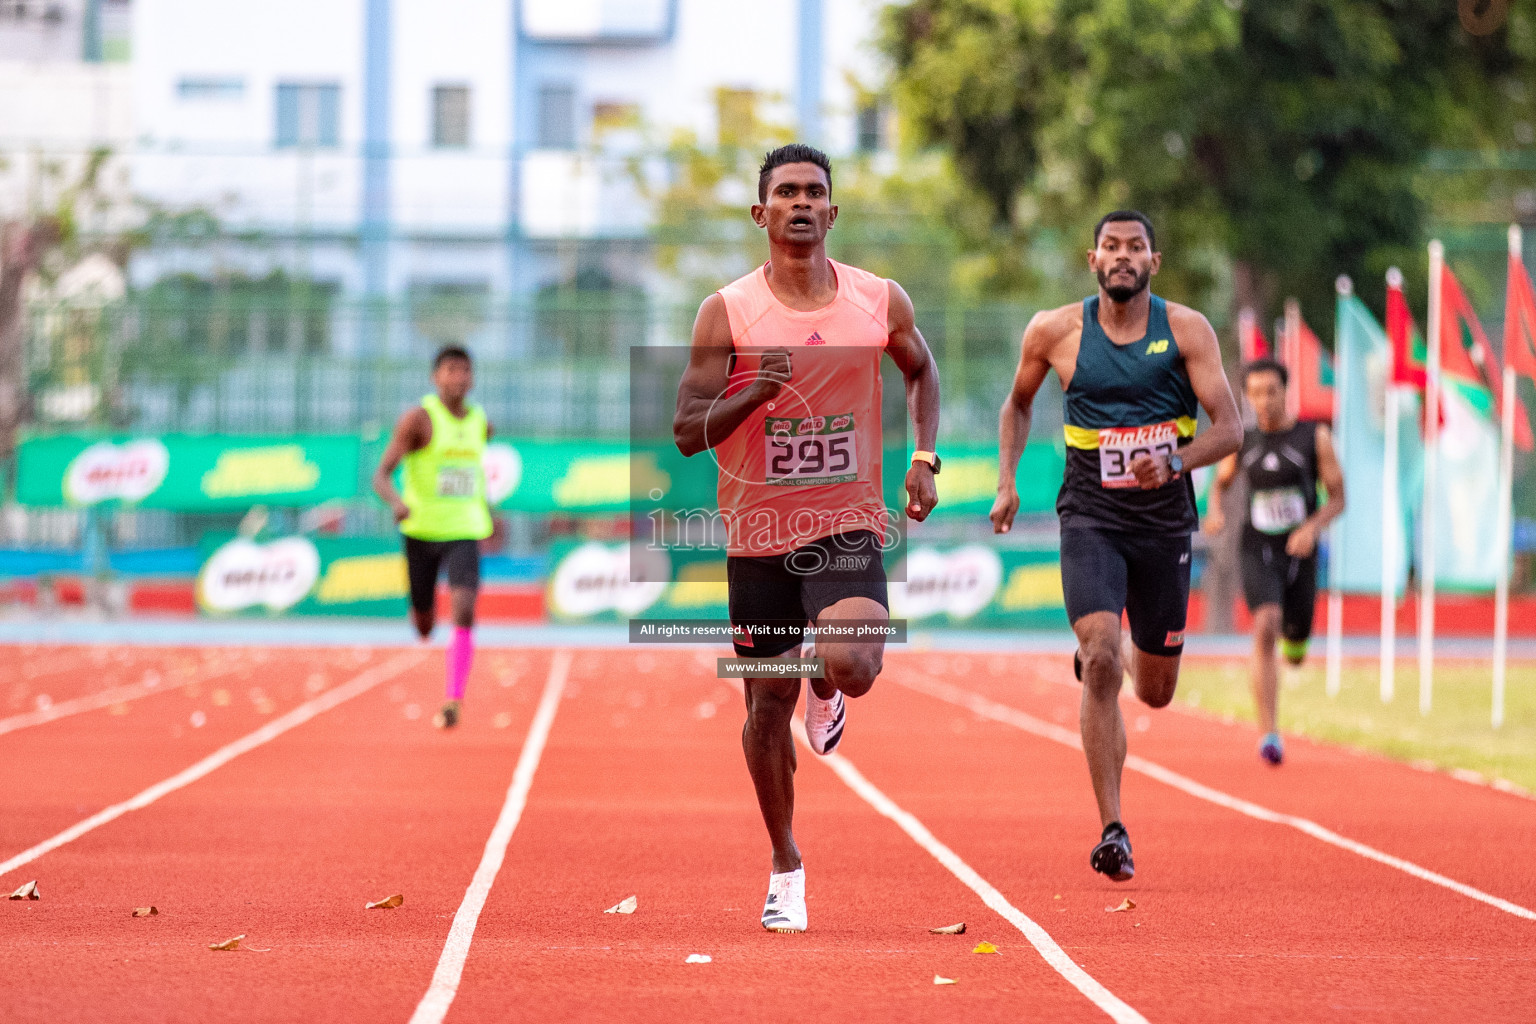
1126, 400
1135, 370
1282, 461
443, 514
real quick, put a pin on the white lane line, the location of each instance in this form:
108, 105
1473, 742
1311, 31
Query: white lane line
1037, 936
450, 966
273, 729
92, 701
980, 705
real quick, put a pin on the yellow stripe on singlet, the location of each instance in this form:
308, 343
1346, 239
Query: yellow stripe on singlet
1088, 437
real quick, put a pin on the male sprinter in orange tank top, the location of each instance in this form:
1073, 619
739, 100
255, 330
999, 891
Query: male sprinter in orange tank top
1135, 370
783, 383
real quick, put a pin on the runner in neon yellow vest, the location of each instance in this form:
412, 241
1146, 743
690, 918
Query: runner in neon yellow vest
443, 514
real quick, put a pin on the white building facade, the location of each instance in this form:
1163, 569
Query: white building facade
399, 148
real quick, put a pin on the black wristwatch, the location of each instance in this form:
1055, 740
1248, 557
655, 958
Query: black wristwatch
1176, 464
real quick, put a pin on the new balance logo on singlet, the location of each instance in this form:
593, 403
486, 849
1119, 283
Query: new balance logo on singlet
1157, 348
815, 339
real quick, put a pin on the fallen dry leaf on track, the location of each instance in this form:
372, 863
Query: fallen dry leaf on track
1125, 904
984, 947
949, 929
145, 911
625, 906
941, 980
26, 892
387, 903
233, 943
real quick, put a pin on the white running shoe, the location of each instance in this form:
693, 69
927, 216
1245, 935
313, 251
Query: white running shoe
784, 910
824, 720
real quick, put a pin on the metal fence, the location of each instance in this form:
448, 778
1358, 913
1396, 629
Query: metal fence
202, 364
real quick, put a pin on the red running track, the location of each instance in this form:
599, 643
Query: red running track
641, 791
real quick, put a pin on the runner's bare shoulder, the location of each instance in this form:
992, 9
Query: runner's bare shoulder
414, 428
1050, 329
1190, 327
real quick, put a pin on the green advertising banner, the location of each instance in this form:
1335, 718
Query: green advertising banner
211, 473
975, 585
186, 472
301, 576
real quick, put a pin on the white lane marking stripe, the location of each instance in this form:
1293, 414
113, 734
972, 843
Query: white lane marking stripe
1037, 936
1029, 723
92, 701
273, 729
450, 966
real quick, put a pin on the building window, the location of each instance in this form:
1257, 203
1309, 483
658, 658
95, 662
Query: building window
308, 115
557, 117
870, 126
450, 115
736, 116
211, 88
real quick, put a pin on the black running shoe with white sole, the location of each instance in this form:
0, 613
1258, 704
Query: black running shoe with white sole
1112, 857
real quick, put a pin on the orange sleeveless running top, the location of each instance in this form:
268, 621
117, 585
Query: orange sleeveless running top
807, 464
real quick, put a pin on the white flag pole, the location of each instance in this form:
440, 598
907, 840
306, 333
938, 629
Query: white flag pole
1506, 514
1431, 459
1335, 652
1391, 523
1292, 322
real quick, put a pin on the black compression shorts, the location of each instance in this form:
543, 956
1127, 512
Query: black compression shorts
1270, 576
779, 594
425, 558
1144, 575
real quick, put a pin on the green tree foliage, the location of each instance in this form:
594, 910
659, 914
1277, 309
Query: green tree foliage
1288, 134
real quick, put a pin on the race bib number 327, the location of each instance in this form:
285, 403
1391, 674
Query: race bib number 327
1120, 446
810, 450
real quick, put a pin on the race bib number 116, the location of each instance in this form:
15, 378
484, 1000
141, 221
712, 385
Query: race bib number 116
810, 450
1120, 446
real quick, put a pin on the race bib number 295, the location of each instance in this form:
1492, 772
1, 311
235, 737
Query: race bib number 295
1120, 446
810, 450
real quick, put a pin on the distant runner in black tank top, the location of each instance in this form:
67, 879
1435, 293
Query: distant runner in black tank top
1282, 462
1135, 370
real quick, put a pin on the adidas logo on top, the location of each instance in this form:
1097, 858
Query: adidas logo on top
815, 339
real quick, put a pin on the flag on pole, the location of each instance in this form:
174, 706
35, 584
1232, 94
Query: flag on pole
1520, 321
1311, 369
1464, 520
1520, 357
1467, 362
1410, 356
1251, 343
1365, 371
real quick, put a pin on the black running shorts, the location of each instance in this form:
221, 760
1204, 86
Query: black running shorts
425, 558
1270, 576
1144, 575
782, 593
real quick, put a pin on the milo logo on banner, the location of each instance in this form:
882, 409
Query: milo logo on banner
594, 579
106, 471
503, 466
959, 583
244, 574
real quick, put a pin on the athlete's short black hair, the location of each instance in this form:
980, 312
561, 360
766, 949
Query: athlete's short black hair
1267, 366
451, 352
1119, 215
794, 153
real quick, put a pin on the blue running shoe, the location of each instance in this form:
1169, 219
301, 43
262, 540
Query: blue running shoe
1271, 749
